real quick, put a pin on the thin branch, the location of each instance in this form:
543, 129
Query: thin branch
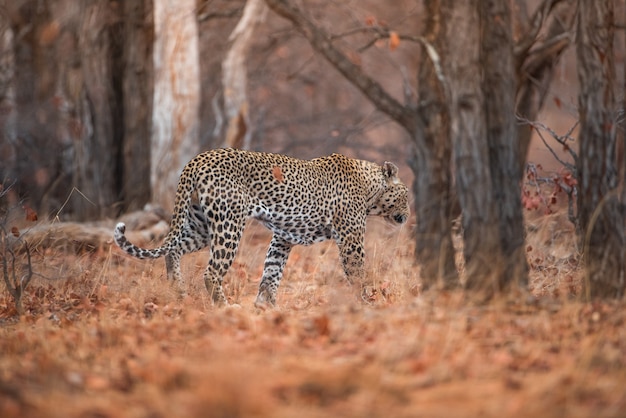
29, 274
549, 49
432, 53
409, 93
321, 42
354, 31
4, 190
219, 15
301, 67
539, 127
74, 189
541, 15
5, 267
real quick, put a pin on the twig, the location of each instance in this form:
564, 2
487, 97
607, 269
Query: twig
539, 18
5, 190
219, 15
539, 127
74, 189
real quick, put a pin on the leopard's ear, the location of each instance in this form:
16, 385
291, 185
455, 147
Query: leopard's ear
390, 170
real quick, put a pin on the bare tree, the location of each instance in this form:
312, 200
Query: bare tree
600, 206
15, 273
486, 151
176, 95
16, 276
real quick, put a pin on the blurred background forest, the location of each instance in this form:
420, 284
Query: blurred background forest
77, 94
103, 102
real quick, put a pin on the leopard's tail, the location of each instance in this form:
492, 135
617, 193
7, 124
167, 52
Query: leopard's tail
186, 186
132, 249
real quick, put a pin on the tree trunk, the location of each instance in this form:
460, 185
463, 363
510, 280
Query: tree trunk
430, 163
97, 148
235, 76
470, 153
600, 209
137, 98
176, 96
621, 146
498, 86
34, 128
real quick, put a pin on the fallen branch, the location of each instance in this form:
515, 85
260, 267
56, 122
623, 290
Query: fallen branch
145, 227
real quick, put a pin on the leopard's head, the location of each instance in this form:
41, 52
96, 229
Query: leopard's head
393, 202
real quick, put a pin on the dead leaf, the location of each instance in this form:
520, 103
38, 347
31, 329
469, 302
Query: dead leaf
94, 382
15, 231
322, 325
394, 40
31, 215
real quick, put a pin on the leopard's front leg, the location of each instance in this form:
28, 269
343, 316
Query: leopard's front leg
275, 261
351, 250
352, 253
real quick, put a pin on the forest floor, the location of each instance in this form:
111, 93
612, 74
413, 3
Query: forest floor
110, 338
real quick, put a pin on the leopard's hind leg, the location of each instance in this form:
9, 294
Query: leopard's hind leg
225, 237
195, 237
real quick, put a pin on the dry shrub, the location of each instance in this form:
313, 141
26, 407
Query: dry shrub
553, 255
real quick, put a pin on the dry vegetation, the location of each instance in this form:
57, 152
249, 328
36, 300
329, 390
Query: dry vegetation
105, 336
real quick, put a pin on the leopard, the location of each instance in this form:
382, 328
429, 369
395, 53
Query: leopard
301, 202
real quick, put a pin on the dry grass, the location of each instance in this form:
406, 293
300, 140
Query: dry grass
109, 338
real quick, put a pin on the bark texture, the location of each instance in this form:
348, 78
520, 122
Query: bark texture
470, 153
235, 75
600, 206
176, 96
431, 165
498, 86
96, 148
137, 101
